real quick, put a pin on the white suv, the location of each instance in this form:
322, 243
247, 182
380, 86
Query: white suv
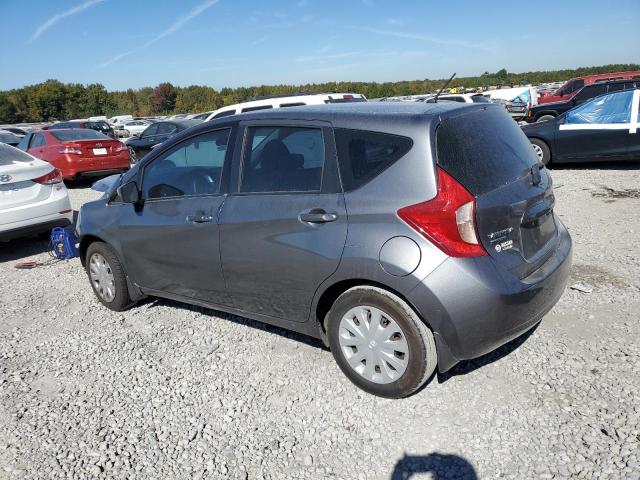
288, 101
33, 198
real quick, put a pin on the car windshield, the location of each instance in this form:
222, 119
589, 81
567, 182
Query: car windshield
78, 134
10, 155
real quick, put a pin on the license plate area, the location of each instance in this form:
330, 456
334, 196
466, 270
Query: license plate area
537, 233
99, 151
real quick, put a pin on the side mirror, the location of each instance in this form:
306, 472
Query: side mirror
129, 193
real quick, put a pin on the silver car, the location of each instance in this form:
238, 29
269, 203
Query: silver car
408, 237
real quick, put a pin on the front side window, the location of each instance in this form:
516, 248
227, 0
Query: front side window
283, 159
166, 128
614, 108
362, 155
193, 167
150, 131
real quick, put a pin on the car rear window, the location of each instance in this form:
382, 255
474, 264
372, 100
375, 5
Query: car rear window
9, 155
78, 134
363, 155
484, 149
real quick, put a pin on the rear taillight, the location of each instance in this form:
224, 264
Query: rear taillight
72, 149
55, 176
448, 220
120, 147
347, 97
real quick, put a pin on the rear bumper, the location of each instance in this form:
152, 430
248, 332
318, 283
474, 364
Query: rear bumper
473, 307
72, 167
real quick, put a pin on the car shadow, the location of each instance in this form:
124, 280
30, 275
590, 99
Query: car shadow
81, 182
297, 337
438, 465
602, 165
468, 366
21, 248
30, 245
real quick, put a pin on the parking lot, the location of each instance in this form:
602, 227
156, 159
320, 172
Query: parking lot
166, 390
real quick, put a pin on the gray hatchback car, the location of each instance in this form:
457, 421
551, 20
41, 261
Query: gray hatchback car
408, 237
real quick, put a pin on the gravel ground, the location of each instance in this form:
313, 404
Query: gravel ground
166, 390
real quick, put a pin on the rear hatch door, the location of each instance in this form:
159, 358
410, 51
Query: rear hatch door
485, 150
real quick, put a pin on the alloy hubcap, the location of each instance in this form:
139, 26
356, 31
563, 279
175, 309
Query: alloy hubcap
539, 152
373, 344
102, 277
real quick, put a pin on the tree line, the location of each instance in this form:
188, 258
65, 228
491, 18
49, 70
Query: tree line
54, 100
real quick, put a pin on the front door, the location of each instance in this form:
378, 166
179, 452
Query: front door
171, 243
283, 230
597, 130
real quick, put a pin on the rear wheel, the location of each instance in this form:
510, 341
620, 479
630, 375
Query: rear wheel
380, 343
545, 118
541, 149
107, 276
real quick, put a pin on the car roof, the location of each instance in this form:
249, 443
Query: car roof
335, 111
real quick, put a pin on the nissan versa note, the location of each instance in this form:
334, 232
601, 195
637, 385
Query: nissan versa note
405, 236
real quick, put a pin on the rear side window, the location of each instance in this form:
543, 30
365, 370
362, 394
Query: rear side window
363, 155
484, 149
38, 141
253, 109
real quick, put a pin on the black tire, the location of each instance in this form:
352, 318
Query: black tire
121, 298
423, 358
546, 151
545, 118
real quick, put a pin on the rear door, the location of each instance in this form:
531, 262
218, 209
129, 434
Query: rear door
283, 229
37, 146
171, 243
485, 151
596, 130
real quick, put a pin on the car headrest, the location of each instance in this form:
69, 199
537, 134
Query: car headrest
275, 156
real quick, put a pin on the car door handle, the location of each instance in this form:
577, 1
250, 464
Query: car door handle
317, 215
199, 218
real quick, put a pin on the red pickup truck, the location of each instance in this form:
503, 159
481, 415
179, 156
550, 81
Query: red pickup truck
573, 86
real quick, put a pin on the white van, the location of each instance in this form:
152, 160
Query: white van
287, 101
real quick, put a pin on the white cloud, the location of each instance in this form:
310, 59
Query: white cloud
59, 16
420, 37
395, 21
177, 25
260, 40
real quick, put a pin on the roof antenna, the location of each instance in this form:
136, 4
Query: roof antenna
435, 99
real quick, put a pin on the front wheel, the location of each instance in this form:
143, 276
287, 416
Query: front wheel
107, 276
380, 343
542, 150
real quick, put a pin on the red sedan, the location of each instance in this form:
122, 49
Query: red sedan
77, 152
